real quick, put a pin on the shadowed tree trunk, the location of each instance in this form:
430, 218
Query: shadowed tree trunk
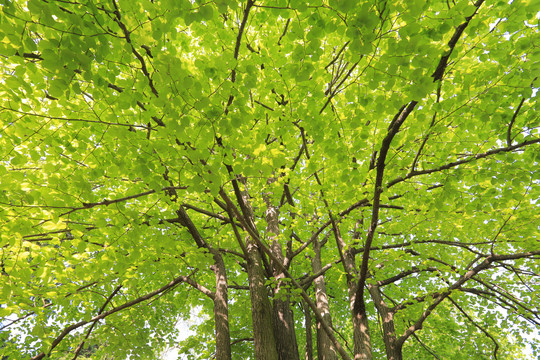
261, 309
283, 316
361, 335
308, 355
325, 348
391, 344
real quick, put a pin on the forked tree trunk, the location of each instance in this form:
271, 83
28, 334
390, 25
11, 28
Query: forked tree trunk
325, 348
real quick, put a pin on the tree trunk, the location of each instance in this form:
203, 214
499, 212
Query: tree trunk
221, 306
393, 348
308, 355
221, 310
325, 348
284, 332
261, 310
361, 335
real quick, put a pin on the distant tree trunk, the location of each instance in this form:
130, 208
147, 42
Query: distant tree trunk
393, 348
284, 329
361, 335
261, 309
221, 310
221, 306
308, 355
325, 348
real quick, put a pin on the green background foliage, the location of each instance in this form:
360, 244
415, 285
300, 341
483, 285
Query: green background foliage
112, 113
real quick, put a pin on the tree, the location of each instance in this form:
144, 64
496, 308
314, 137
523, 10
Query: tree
362, 175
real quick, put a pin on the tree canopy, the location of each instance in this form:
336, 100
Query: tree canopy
317, 179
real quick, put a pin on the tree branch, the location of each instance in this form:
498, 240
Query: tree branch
478, 326
393, 129
81, 345
443, 63
103, 315
509, 131
462, 280
139, 57
461, 162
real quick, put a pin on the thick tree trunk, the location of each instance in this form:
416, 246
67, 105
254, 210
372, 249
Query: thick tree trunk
361, 335
261, 310
393, 348
325, 348
221, 310
284, 329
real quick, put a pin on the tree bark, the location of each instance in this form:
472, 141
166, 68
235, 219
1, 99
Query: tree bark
393, 348
221, 310
261, 310
361, 334
283, 316
325, 348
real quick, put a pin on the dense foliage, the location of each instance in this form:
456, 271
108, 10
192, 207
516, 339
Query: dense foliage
318, 179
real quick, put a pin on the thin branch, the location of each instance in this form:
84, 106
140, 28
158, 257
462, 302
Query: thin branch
478, 326
461, 162
284, 31
89, 331
509, 131
114, 201
139, 57
413, 270
425, 347
337, 55
74, 119
240, 340
443, 63
245, 16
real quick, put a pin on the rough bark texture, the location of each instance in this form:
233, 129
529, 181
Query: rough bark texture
325, 348
283, 316
393, 348
361, 335
221, 310
261, 309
